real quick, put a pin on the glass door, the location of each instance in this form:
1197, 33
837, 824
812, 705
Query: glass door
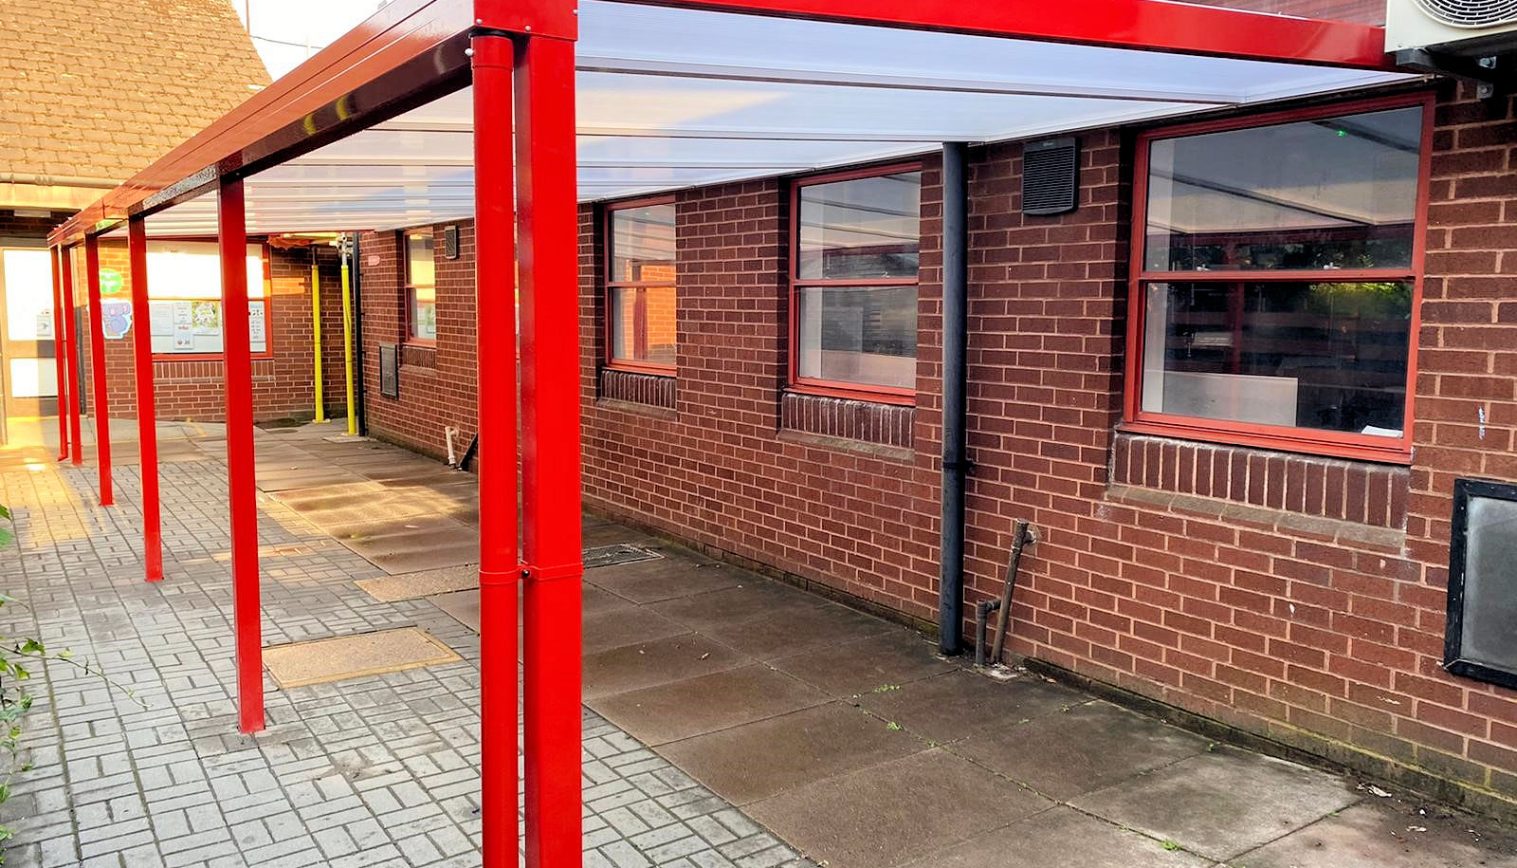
27, 347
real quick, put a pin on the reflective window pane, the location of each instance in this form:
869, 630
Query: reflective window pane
1328, 356
860, 229
858, 334
642, 244
1490, 600
1331, 193
643, 324
421, 270
423, 315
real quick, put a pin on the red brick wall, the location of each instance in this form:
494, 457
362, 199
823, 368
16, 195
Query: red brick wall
193, 388
1279, 608
437, 383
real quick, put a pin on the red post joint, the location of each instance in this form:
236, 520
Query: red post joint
242, 485
60, 351
147, 418
499, 574
101, 409
71, 349
548, 234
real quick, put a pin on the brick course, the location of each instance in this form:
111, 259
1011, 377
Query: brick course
1297, 598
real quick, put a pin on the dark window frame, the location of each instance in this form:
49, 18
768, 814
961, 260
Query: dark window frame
816, 385
1350, 445
1453, 636
608, 358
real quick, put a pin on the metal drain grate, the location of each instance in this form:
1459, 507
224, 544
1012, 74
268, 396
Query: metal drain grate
610, 556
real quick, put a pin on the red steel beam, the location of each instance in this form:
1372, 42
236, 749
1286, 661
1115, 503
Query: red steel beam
60, 353
548, 234
71, 349
1150, 25
100, 410
147, 418
499, 564
242, 485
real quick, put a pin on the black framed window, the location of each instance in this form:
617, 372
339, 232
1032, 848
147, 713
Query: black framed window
1481, 637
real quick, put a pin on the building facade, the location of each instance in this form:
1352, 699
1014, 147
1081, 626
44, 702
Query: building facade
1232, 387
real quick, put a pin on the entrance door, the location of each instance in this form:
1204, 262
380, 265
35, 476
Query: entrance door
28, 369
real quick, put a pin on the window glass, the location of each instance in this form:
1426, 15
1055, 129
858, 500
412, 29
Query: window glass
860, 229
858, 334
642, 244
1326, 356
641, 295
1333, 193
421, 285
184, 298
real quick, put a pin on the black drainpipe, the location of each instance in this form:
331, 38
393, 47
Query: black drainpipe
955, 383
354, 283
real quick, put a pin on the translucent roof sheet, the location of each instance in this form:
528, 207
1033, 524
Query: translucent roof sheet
670, 98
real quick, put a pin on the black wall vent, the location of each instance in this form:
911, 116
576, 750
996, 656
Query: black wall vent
1480, 641
389, 370
450, 242
1050, 176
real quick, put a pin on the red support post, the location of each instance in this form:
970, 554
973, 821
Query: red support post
147, 417
499, 564
547, 231
242, 485
60, 351
100, 409
71, 349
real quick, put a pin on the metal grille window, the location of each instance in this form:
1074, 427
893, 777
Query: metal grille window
1276, 279
641, 329
854, 275
421, 286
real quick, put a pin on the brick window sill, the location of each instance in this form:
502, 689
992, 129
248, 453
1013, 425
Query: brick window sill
653, 391
1314, 487
845, 419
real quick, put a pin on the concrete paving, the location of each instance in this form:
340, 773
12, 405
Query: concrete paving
729, 717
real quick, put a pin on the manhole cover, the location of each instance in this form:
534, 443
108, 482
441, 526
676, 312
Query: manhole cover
609, 556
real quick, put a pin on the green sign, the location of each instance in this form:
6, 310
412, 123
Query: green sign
111, 282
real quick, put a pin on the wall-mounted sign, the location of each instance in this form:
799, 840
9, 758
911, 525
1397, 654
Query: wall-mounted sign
115, 319
111, 282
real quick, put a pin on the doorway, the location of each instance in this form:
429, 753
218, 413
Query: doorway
28, 347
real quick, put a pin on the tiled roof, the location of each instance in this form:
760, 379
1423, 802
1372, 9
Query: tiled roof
101, 88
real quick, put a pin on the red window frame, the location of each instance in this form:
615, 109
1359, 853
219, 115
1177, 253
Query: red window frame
266, 255
407, 335
1304, 440
815, 385
608, 357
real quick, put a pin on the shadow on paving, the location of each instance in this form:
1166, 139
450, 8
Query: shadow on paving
851, 739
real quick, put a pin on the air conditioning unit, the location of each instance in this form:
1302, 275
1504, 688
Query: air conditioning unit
1465, 28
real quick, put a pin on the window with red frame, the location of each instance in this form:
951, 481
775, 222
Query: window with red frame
1276, 278
640, 294
854, 273
421, 286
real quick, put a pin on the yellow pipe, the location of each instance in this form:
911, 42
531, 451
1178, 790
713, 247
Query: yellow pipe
321, 412
347, 343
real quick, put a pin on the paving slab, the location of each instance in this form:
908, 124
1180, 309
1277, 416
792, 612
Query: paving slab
961, 703
648, 664
1061, 838
1373, 834
659, 579
615, 628
707, 703
1223, 803
355, 656
893, 657
1086, 748
887, 814
462, 606
757, 760
427, 583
